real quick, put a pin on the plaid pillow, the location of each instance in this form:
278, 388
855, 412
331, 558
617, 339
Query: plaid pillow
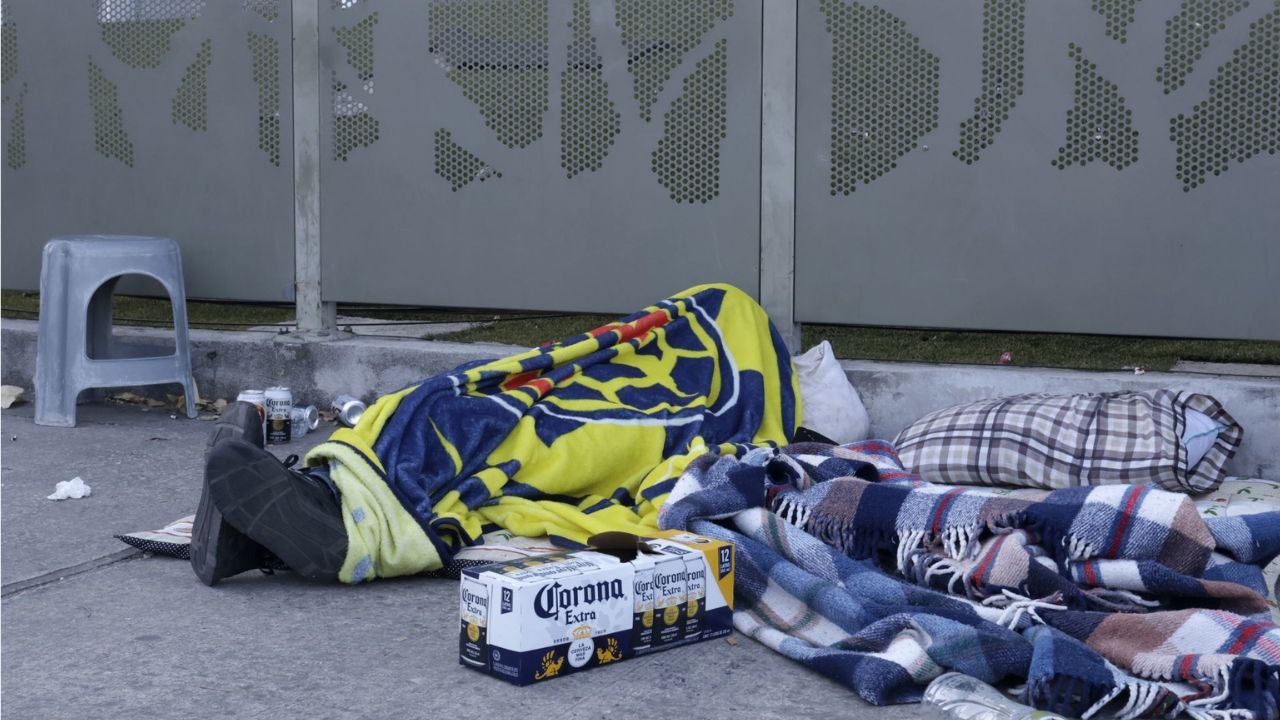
1057, 441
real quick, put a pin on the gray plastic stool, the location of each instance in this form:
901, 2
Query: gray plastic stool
75, 349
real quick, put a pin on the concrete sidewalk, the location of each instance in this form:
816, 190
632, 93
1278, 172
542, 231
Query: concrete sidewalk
94, 629
91, 631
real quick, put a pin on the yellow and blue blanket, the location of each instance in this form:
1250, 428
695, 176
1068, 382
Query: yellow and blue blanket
570, 439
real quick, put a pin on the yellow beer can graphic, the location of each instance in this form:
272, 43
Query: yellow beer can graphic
609, 653
669, 578
693, 607
474, 612
671, 615
550, 666
643, 595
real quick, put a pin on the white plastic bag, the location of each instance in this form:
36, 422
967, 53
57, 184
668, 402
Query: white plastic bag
831, 404
1199, 433
72, 489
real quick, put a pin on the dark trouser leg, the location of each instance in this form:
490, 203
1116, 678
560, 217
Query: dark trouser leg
218, 550
296, 515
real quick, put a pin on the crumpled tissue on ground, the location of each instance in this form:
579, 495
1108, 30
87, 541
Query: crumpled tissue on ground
74, 489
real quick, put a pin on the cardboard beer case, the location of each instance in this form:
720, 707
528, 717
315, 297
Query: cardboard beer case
537, 618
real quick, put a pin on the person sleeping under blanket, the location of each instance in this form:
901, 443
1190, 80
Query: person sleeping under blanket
566, 440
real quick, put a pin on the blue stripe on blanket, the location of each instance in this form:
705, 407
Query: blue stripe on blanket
853, 611
1247, 538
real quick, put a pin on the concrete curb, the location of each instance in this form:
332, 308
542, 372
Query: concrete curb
225, 363
895, 393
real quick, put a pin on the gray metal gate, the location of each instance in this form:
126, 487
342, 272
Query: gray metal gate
1105, 166
1101, 167
152, 117
584, 154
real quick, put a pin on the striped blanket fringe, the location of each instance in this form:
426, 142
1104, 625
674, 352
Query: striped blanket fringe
1105, 601
929, 559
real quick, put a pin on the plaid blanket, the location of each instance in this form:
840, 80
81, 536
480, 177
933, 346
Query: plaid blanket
871, 576
1094, 546
1057, 441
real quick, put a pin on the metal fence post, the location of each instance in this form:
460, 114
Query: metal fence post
778, 167
314, 318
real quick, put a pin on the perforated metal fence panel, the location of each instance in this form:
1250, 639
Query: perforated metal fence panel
1103, 167
583, 154
152, 117
1106, 166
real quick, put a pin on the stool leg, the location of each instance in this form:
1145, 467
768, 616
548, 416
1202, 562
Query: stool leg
55, 393
182, 341
190, 385
56, 407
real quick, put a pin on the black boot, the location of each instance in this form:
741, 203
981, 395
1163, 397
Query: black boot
292, 514
218, 550
239, 421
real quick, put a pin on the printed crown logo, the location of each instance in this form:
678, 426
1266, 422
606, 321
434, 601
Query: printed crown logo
582, 632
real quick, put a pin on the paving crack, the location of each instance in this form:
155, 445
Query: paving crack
19, 586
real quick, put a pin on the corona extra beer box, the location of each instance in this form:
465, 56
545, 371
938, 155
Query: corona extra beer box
542, 617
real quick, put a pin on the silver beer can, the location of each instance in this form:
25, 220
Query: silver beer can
304, 419
348, 410
279, 417
258, 399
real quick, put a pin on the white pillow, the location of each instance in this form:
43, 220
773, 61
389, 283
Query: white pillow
1199, 433
831, 404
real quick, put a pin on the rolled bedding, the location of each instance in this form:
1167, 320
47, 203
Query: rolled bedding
1178, 440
